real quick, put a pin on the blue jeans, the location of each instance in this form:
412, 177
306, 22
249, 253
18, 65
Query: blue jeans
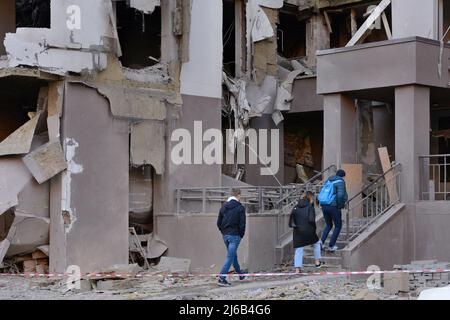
331, 215
232, 244
298, 258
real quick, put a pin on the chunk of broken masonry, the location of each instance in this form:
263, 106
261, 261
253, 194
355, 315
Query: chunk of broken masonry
174, 265
46, 161
118, 272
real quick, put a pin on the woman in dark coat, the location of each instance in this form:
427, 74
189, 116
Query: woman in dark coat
303, 220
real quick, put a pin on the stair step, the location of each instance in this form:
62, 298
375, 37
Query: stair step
324, 267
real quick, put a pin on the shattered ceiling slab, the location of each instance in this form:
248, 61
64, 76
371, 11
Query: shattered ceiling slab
133, 103
19, 142
148, 144
46, 161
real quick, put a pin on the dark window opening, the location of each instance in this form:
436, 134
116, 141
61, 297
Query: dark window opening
18, 98
139, 36
303, 143
291, 36
33, 13
341, 25
229, 38
341, 29
444, 148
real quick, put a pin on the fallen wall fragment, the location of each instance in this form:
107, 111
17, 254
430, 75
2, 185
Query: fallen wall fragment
27, 233
46, 161
13, 178
133, 103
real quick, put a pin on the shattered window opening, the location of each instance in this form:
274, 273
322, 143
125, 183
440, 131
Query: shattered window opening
446, 21
229, 38
139, 36
18, 99
33, 13
291, 36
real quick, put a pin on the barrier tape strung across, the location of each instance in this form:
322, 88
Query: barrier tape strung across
191, 275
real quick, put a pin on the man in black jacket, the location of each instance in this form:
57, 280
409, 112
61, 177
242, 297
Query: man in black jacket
231, 222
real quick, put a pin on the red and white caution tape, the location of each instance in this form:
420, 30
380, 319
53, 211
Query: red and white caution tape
193, 275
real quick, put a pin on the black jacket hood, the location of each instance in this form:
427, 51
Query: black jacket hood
303, 203
231, 204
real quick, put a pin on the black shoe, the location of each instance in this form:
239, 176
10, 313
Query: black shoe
320, 265
241, 278
223, 283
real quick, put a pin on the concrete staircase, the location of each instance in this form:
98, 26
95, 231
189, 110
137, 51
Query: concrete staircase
331, 259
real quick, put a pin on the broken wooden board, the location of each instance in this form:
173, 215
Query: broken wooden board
174, 265
46, 161
389, 176
19, 142
354, 183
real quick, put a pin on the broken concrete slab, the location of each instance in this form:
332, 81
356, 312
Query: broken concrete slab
46, 161
27, 233
148, 145
174, 265
53, 60
124, 284
19, 142
133, 103
156, 247
34, 199
14, 176
119, 271
261, 27
4, 246
396, 282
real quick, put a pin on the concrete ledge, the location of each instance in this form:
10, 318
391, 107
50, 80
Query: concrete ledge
433, 207
382, 244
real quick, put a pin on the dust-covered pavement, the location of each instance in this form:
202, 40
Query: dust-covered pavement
155, 287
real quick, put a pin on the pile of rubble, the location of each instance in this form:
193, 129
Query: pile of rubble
29, 157
414, 282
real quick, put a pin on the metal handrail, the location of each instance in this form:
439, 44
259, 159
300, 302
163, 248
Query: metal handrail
373, 183
373, 201
308, 182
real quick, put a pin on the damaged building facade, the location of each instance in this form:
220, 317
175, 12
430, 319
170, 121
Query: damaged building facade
91, 93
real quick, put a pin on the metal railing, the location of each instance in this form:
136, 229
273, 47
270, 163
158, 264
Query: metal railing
208, 200
435, 177
256, 200
372, 202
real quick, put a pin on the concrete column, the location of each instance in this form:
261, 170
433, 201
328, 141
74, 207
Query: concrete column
317, 37
412, 136
412, 18
89, 201
339, 130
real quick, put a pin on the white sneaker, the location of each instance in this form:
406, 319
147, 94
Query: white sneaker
333, 249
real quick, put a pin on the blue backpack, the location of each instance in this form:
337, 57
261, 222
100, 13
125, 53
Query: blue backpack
327, 195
